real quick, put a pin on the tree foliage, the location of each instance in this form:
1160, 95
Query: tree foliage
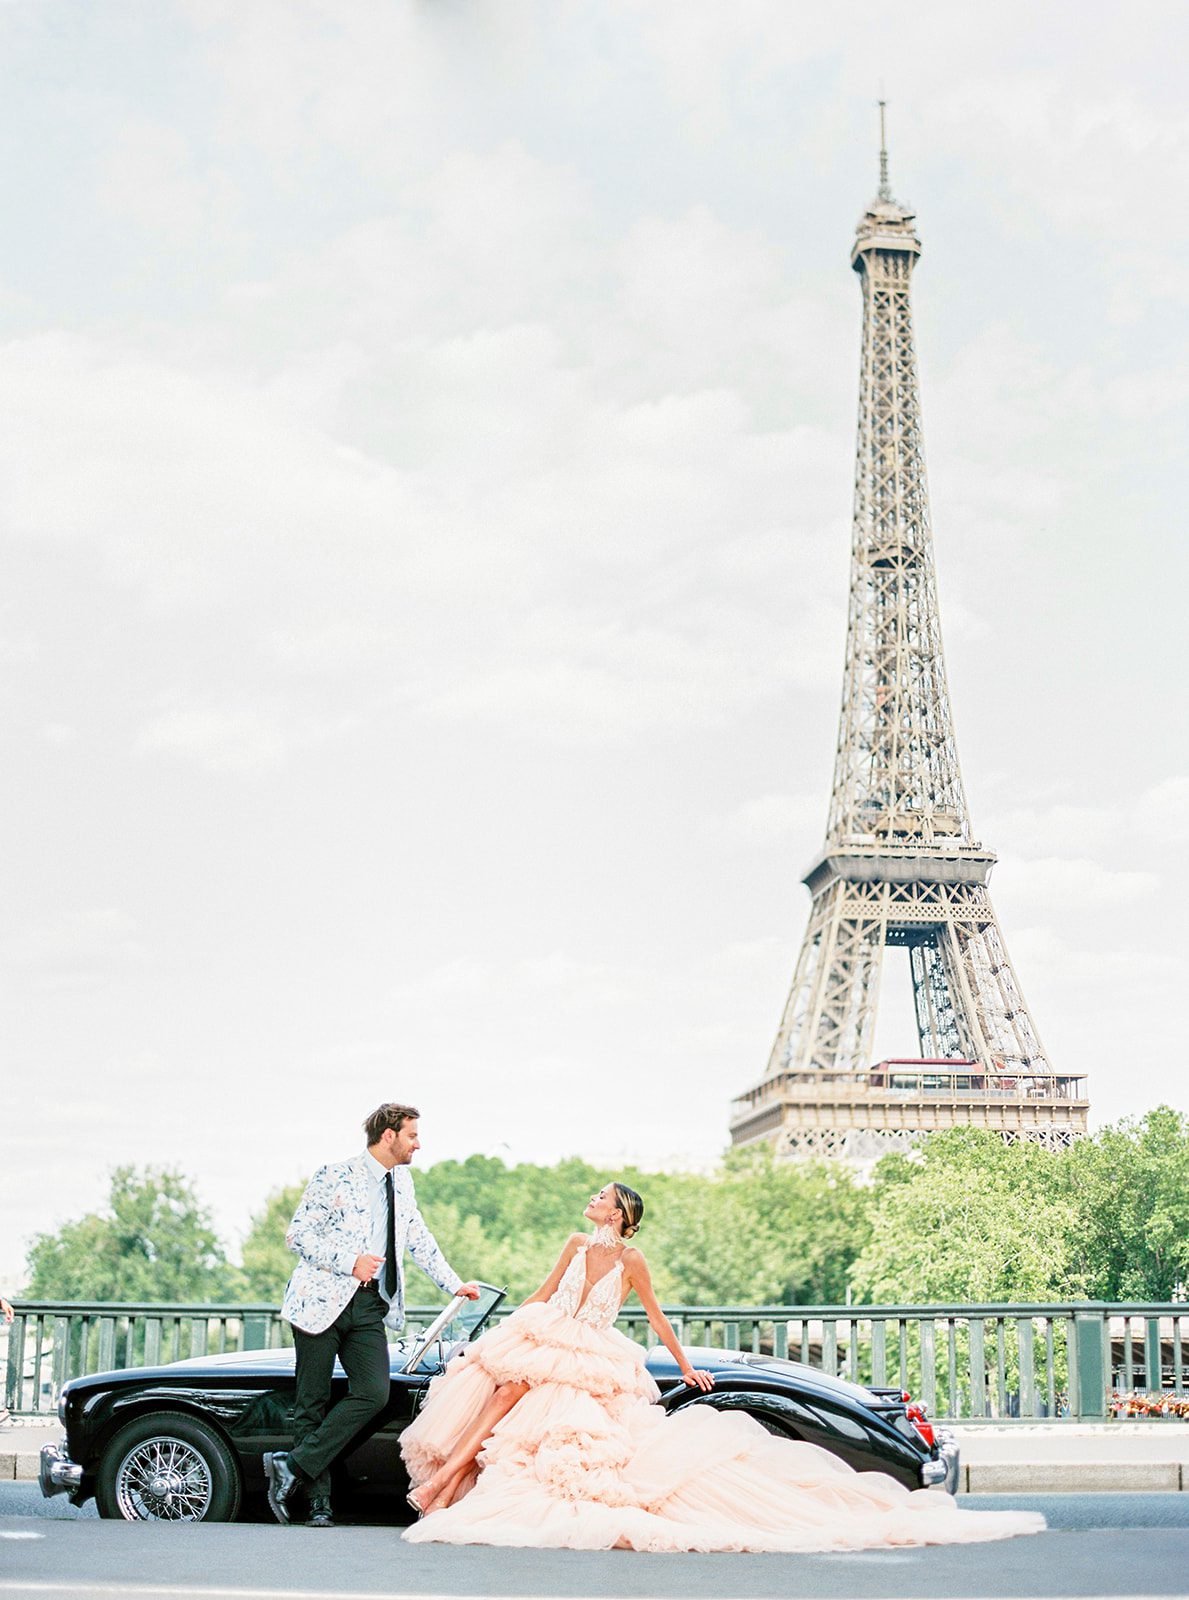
964, 1218
1131, 1185
968, 1218
154, 1242
756, 1230
267, 1259
761, 1231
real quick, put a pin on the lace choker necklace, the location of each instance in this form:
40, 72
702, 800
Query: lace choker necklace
606, 1235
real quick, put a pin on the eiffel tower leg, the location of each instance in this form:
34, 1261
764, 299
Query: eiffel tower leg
969, 1022
1009, 1036
805, 992
939, 1027
851, 994
968, 1000
830, 1015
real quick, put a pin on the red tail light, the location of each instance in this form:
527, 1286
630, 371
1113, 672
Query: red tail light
918, 1416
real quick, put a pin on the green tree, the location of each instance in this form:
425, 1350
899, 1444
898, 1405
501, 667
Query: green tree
1130, 1184
155, 1242
969, 1218
504, 1224
267, 1259
760, 1231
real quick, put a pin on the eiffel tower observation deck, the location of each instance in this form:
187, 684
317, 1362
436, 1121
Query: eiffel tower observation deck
901, 864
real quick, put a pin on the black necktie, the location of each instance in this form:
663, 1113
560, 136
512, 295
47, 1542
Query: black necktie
390, 1248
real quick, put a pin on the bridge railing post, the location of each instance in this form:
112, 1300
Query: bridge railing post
1092, 1343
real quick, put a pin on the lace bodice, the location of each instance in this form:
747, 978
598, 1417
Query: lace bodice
601, 1306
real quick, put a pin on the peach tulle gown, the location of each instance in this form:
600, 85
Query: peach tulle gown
587, 1461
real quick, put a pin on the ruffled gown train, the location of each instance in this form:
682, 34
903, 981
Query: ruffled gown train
588, 1461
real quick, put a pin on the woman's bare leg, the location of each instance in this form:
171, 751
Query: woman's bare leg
450, 1492
458, 1462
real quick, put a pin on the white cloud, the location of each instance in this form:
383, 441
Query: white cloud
576, 678
1058, 827
243, 741
776, 817
76, 947
1061, 885
147, 177
1165, 807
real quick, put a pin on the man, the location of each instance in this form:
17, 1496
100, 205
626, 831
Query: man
351, 1230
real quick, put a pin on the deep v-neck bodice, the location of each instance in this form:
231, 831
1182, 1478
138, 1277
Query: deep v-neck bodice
595, 1303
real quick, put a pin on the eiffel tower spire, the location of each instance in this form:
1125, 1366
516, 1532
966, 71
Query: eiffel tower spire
885, 192
901, 865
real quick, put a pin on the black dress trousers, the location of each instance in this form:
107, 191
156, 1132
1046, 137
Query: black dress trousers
321, 1432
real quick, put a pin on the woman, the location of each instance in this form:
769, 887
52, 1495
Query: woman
545, 1432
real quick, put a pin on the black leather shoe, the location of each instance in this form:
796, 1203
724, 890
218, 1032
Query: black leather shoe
283, 1482
320, 1516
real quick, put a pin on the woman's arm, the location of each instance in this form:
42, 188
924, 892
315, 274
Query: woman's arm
640, 1279
555, 1277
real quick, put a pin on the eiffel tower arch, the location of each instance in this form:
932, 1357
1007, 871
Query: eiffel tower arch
900, 865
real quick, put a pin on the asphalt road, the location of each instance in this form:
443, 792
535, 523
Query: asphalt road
1114, 1545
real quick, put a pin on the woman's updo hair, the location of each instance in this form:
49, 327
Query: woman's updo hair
631, 1205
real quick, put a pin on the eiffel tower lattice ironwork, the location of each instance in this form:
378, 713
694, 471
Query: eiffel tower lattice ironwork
901, 865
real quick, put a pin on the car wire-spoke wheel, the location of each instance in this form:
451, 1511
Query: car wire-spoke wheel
164, 1480
168, 1466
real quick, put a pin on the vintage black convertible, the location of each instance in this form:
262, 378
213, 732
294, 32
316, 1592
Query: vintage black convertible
183, 1443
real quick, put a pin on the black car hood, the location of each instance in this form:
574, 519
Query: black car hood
742, 1365
250, 1364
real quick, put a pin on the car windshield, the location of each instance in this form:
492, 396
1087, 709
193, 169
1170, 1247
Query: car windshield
460, 1320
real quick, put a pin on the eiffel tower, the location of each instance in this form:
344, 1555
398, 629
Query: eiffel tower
901, 865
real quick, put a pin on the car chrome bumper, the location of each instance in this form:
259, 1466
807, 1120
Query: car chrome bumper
943, 1472
58, 1474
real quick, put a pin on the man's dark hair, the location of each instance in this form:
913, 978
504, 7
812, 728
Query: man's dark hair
389, 1115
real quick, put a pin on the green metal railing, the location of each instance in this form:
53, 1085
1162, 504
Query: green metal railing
970, 1363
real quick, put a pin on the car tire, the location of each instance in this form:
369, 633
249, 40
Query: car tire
166, 1466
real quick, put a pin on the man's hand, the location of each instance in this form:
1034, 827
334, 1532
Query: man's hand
8, 1313
469, 1291
366, 1267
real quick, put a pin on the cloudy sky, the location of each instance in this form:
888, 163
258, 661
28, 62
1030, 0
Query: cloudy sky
426, 443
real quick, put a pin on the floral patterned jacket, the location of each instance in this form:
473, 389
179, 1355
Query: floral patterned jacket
332, 1227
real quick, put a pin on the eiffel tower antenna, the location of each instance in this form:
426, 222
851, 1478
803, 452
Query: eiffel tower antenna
901, 865
885, 192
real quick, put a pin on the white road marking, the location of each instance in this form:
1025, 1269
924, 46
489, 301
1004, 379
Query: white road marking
20, 1534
